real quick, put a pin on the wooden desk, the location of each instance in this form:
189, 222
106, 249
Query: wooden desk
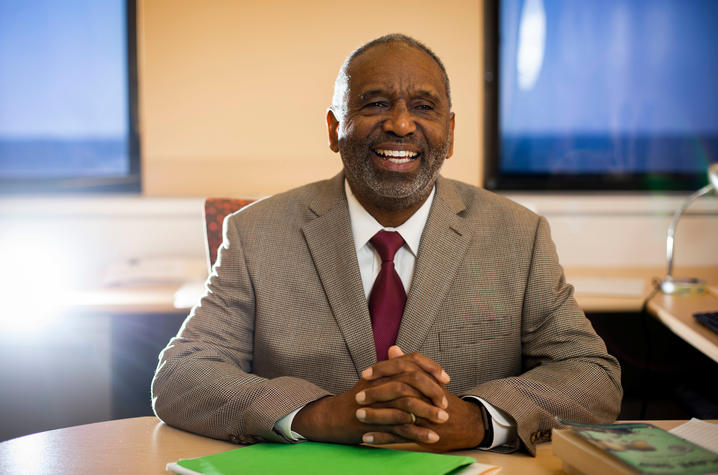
676, 312
144, 445
130, 299
596, 302
160, 298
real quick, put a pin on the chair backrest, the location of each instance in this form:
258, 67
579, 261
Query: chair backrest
215, 210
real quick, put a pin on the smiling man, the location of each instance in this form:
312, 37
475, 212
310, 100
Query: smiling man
387, 304
391, 121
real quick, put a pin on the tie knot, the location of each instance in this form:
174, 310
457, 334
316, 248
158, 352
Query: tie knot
386, 244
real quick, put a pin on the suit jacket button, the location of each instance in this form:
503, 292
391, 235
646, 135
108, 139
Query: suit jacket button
234, 439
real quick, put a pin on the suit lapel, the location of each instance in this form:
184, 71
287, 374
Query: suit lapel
330, 241
444, 243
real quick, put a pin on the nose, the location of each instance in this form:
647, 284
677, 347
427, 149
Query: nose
399, 121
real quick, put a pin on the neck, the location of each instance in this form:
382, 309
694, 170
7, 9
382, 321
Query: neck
391, 218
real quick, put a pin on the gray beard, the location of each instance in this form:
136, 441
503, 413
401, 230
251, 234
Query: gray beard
390, 190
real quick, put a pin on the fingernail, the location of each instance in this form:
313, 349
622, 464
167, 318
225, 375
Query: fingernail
443, 415
366, 374
433, 437
445, 376
361, 414
368, 438
444, 402
360, 396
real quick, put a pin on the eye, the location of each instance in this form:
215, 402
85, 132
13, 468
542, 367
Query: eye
376, 104
424, 107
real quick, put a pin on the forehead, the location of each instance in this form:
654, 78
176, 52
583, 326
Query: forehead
395, 67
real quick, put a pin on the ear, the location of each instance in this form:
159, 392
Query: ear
332, 129
451, 136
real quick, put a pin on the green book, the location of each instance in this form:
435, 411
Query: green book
642, 448
316, 458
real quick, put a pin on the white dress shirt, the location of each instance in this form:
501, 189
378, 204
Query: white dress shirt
364, 227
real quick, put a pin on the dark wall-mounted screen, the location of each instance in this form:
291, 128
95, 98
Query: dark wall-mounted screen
601, 94
67, 96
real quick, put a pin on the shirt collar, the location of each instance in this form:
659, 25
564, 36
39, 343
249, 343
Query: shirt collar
364, 226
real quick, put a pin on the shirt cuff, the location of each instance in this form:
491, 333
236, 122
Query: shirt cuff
502, 424
284, 427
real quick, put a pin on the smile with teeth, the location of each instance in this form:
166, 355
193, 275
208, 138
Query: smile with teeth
397, 156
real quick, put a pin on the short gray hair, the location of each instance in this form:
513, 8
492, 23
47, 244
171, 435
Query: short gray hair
341, 83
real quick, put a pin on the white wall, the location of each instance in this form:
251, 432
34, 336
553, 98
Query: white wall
589, 231
91, 233
627, 230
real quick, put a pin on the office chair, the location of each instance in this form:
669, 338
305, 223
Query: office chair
215, 210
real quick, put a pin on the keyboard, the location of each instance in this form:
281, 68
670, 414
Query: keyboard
708, 319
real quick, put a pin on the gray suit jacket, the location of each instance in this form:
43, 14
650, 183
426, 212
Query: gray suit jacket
285, 321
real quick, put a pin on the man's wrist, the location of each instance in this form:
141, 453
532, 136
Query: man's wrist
488, 427
502, 424
284, 427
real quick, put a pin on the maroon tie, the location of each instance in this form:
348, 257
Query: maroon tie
387, 298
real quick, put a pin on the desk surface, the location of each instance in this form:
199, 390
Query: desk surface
161, 298
594, 302
676, 312
143, 445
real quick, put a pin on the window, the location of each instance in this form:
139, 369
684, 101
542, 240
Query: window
68, 96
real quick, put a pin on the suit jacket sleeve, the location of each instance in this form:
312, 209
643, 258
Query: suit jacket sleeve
204, 381
566, 369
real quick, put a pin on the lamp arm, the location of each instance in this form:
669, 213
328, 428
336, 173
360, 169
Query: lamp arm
670, 239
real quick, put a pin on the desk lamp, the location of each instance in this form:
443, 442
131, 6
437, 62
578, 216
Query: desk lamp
669, 285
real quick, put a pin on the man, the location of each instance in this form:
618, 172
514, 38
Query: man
485, 345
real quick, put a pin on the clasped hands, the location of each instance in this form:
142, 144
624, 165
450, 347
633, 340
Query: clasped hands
401, 399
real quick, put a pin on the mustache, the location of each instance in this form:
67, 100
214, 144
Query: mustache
386, 137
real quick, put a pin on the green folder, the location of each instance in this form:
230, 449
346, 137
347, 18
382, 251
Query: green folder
317, 458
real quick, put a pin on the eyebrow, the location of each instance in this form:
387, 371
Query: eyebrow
372, 92
423, 93
428, 95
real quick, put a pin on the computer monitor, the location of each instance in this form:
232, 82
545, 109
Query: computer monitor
600, 94
68, 97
